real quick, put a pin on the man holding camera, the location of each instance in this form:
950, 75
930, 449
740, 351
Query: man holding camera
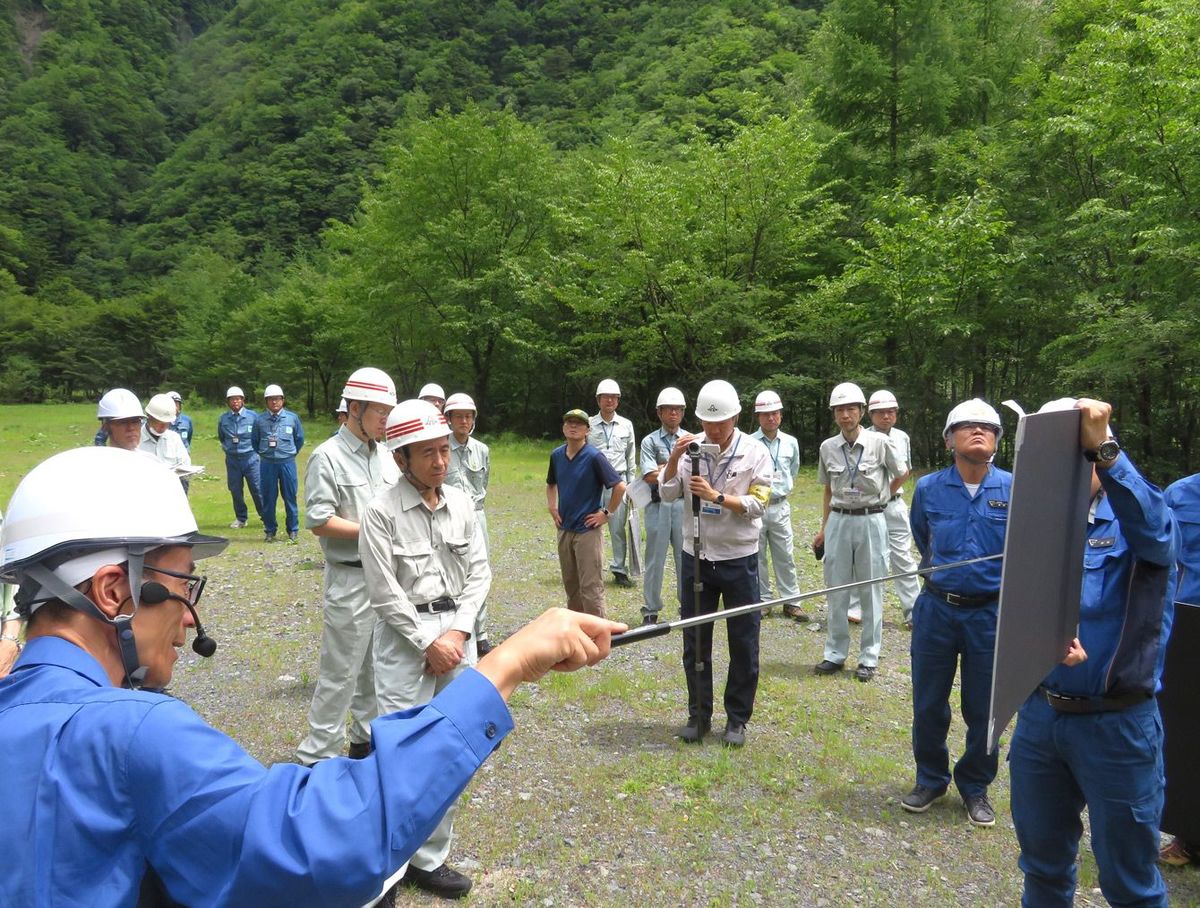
727, 477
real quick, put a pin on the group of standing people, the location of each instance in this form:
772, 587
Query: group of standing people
396, 499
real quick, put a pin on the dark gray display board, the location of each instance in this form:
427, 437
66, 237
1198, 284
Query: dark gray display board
1180, 705
1043, 560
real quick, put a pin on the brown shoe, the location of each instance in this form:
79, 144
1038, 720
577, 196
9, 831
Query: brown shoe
1176, 854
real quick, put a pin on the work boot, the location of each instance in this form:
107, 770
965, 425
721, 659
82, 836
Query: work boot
795, 613
825, 667
864, 672
622, 580
694, 731
445, 881
483, 647
649, 619
360, 750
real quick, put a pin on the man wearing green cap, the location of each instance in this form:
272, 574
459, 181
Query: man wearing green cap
578, 475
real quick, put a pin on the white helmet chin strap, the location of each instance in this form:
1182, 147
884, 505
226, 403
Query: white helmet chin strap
135, 673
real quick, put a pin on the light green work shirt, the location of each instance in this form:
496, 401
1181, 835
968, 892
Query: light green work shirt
785, 461
470, 469
343, 474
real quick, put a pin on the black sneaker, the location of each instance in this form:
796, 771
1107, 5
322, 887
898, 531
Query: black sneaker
919, 799
649, 619
483, 647
360, 750
694, 731
825, 667
864, 672
444, 881
979, 810
622, 580
735, 734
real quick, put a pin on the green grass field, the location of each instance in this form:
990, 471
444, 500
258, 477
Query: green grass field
591, 801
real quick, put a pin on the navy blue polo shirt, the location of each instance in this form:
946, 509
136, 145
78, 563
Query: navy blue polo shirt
581, 480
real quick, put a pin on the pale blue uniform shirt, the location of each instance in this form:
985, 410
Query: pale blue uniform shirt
785, 462
102, 781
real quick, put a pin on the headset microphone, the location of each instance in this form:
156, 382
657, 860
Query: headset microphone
153, 593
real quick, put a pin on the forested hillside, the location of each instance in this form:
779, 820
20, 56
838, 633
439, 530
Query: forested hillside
946, 197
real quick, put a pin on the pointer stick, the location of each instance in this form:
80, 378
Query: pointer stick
646, 631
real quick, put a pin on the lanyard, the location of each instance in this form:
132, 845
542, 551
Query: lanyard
774, 454
853, 470
716, 477
607, 429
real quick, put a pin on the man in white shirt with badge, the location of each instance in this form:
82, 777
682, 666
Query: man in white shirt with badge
733, 486
777, 533
613, 436
664, 519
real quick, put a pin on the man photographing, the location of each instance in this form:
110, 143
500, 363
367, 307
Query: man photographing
116, 791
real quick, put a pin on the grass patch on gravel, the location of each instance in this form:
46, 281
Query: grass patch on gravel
591, 801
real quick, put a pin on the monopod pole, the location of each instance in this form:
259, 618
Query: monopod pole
646, 631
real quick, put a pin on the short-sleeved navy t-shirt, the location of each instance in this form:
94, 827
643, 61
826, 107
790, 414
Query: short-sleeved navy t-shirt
580, 481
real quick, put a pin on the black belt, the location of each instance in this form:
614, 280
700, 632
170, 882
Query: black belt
957, 600
858, 512
445, 604
1063, 703
356, 564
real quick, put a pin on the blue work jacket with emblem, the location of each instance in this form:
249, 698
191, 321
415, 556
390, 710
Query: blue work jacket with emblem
277, 436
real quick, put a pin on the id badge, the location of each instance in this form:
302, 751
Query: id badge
777, 476
272, 441
854, 494
711, 508
234, 439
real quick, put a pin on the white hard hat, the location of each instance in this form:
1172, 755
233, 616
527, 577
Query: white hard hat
459, 401
96, 499
433, 390
883, 400
235, 391
370, 385
1068, 403
174, 395
608, 386
847, 393
120, 403
767, 402
716, 401
973, 410
341, 407
161, 407
412, 421
273, 391
670, 397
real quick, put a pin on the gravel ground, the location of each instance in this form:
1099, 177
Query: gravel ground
591, 801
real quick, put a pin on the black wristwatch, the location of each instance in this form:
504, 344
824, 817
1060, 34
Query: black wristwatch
1104, 455
721, 498
606, 512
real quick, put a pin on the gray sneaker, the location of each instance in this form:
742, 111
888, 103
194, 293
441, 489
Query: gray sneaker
979, 810
919, 799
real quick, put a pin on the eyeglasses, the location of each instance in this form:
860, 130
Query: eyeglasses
975, 425
195, 587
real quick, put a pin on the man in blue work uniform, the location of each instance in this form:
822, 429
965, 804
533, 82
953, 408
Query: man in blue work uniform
278, 437
234, 430
776, 536
1091, 735
1178, 700
664, 519
958, 513
183, 422
115, 792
